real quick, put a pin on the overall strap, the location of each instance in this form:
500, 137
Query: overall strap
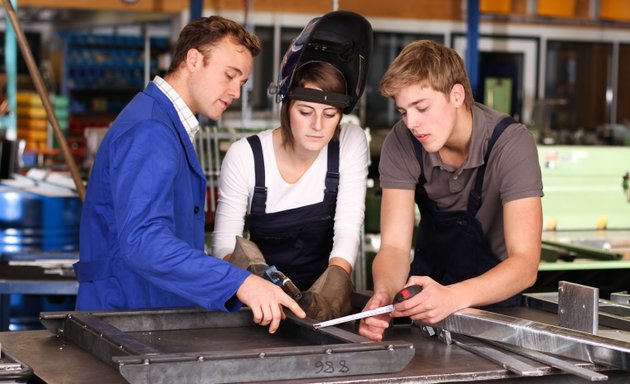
474, 199
332, 174
259, 200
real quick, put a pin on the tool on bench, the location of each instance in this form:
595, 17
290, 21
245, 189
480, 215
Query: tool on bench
404, 294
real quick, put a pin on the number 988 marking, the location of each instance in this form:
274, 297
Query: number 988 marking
330, 367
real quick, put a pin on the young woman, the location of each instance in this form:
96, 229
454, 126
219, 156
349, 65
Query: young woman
303, 200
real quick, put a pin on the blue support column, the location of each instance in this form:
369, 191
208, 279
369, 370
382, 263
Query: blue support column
472, 47
196, 8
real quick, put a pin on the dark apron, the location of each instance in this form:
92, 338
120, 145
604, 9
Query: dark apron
450, 245
297, 241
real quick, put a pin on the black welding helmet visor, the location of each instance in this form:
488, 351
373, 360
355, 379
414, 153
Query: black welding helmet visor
341, 38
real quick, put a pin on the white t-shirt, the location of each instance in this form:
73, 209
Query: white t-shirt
237, 181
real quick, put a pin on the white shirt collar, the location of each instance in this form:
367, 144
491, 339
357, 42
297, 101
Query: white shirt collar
188, 119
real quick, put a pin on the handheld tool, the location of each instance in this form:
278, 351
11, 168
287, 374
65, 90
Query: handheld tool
272, 274
403, 294
248, 256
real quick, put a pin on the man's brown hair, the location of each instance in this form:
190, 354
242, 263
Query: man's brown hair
429, 64
204, 33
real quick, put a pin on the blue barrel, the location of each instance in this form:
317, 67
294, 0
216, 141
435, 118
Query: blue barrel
34, 222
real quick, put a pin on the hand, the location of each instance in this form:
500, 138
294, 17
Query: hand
430, 306
266, 300
373, 327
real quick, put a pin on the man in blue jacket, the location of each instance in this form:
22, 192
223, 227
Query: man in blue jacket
142, 225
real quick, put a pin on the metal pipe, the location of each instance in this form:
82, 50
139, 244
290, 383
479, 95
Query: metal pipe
43, 94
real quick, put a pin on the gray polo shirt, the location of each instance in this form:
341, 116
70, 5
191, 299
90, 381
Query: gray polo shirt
513, 171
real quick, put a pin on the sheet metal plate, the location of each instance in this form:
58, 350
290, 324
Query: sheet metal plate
194, 345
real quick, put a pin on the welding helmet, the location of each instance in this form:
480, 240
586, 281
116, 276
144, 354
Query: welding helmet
341, 38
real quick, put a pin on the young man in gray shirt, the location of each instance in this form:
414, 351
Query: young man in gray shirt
475, 176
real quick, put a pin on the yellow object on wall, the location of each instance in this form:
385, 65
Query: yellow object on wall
615, 10
495, 6
32, 119
417, 9
556, 8
110, 5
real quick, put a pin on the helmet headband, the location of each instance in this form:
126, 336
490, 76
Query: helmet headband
313, 95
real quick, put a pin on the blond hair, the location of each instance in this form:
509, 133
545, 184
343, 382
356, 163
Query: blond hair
430, 64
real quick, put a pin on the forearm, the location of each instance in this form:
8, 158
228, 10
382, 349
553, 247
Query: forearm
508, 278
522, 228
346, 246
232, 205
229, 221
224, 237
390, 270
350, 209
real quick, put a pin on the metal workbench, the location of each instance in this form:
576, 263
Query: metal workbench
34, 273
56, 360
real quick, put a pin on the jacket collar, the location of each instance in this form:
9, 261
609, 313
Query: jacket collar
153, 91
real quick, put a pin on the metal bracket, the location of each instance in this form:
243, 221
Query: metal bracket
444, 336
578, 307
426, 330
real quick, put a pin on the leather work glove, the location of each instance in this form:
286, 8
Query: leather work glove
247, 256
329, 296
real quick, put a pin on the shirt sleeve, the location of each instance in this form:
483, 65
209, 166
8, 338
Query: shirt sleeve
519, 172
236, 180
350, 209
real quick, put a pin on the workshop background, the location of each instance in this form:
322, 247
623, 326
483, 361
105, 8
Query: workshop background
558, 66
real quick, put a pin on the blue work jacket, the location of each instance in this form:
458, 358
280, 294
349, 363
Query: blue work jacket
142, 223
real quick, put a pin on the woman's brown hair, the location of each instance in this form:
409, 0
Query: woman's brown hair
323, 75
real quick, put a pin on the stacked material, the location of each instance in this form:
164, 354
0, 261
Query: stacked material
33, 126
